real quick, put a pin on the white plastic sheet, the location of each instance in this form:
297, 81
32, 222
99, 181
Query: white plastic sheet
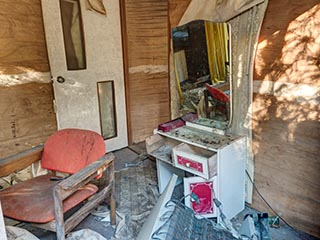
216, 10
85, 234
16, 233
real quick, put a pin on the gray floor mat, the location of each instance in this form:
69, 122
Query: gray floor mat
136, 195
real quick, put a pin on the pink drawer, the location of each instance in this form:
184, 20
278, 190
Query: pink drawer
190, 164
195, 160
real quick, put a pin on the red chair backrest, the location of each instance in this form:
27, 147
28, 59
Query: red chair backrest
69, 150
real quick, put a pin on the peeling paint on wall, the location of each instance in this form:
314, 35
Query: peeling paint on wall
149, 69
18, 79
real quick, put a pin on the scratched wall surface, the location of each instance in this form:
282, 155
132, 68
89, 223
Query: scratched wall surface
147, 54
286, 113
26, 110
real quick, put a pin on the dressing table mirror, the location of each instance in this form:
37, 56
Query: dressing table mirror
179, 148
199, 148
201, 57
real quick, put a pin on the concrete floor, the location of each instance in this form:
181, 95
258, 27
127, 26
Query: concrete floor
129, 161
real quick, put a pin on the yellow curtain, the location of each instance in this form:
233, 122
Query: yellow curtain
177, 79
217, 46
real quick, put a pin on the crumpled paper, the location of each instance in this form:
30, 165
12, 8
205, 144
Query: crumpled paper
103, 213
85, 234
16, 233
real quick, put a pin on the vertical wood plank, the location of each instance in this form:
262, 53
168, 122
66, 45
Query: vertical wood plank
22, 43
147, 65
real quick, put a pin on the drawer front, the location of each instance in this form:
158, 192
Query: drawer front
203, 191
195, 160
190, 164
197, 166
199, 195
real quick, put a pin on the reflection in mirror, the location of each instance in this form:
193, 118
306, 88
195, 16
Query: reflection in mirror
202, 70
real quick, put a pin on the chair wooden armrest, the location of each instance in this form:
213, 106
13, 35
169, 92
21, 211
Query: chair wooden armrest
69, 185
20, 161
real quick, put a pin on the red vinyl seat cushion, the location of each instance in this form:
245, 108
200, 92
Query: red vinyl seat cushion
32, 200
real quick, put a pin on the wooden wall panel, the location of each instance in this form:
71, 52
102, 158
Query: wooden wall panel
288, 42
176, 10
22, 40
287, 166
26, 97
26, 116
286, 129
146, 39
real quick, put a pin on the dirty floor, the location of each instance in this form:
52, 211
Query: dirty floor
136, 194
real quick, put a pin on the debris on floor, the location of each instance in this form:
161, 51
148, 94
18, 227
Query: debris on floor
172, 220
17, 233
103, 212
138, 193
255, 227
85, 234
183, 224
103, 215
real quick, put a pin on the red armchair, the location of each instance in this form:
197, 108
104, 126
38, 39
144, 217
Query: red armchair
43, 200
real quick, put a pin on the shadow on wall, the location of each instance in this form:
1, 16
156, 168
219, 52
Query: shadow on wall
289, 46
286, 113
287, 167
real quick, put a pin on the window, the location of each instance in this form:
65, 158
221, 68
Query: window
73, 34
107, 109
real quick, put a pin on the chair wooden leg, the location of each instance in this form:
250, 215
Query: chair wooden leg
58, 212
112, 209
111, 180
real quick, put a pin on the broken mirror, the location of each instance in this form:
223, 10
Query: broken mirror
201, 54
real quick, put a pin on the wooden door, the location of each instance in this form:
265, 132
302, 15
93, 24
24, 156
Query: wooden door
85, 55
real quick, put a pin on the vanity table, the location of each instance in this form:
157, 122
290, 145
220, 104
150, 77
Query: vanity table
211, 165
196, 147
